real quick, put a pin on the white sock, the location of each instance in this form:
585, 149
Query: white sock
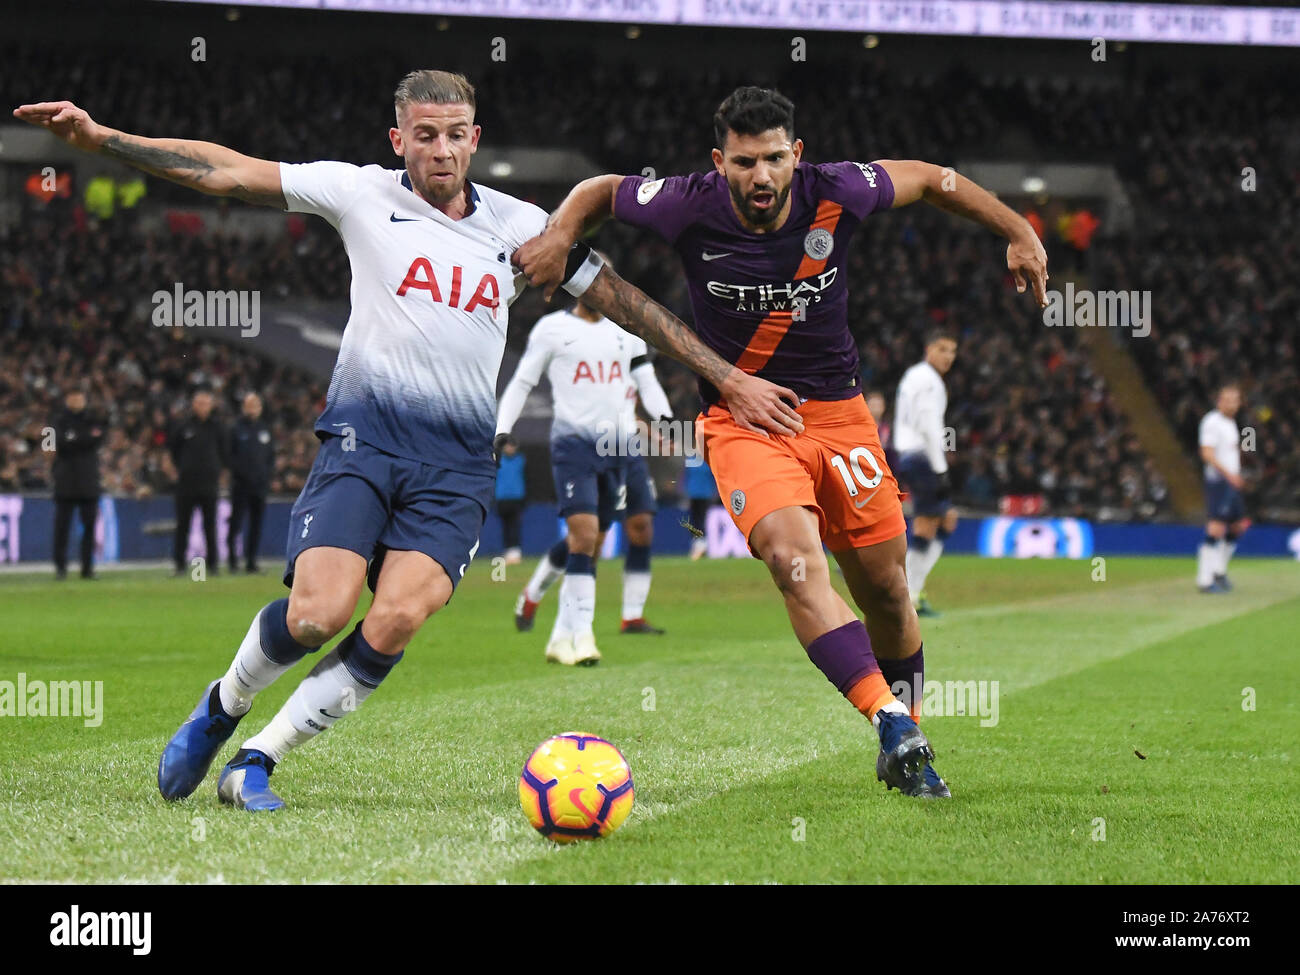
893, 707
545, 574
325, 695
1207, 563
917, 565
578, 602
936, 549
1225, 555
636, 590
251, 671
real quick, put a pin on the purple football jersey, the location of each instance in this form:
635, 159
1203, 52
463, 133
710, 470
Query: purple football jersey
774, 304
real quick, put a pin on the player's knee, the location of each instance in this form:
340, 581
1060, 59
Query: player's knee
792, 564
399, 620
582, 539
312, 622
887, 589
638, 530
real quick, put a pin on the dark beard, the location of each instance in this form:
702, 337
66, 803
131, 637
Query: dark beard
760, 217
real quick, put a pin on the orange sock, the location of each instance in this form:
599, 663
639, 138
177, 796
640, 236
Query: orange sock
870, 694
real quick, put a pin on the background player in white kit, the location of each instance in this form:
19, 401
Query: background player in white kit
596, 371
918, 440
1226, 521
404, 475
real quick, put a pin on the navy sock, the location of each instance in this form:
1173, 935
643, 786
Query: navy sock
942, 533
559, 553
579, 564
638, 558
909, 671
363, 661
919, 544
277, 642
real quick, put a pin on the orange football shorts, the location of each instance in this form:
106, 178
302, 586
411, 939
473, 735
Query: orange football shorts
836, 467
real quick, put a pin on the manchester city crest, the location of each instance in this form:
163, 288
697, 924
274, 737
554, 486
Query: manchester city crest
819, 243
737, 501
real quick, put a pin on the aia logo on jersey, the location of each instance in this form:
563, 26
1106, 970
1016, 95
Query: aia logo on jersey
584, 372
420, 277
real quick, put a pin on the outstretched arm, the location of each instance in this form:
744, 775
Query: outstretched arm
754, 403
202, 166
588, 205
948, 190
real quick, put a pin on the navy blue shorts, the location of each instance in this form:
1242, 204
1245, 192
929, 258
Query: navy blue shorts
642, 498
920, 481
1223, 502
587, 483
368, 501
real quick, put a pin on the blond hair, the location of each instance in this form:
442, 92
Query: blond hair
428, 86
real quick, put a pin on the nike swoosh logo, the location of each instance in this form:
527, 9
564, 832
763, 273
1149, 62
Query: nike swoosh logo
859, 504
575, 797
328, 715
713, 257
396, 219
570, 342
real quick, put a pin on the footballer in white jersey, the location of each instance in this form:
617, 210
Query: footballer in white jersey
1219, 441
922, 468
596, 372
403, 478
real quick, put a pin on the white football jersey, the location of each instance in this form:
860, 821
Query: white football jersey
589, 365
1221, 433
918, 415
417, 367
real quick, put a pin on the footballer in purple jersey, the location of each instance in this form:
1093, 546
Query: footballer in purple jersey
763, 239
775, 304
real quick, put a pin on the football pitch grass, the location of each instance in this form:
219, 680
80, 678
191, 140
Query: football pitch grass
748, 766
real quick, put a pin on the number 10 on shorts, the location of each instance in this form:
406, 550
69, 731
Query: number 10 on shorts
858, 477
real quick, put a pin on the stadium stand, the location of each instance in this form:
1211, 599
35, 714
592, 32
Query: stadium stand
1031, 413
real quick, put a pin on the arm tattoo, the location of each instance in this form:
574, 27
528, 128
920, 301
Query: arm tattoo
160, 162
628, 306
185, 163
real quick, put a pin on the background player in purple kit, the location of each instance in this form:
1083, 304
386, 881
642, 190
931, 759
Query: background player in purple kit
763, 239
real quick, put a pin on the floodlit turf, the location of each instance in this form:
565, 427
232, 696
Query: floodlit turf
748, 766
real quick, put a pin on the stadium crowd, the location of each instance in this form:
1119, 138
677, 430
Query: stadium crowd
74, 313
1030, 414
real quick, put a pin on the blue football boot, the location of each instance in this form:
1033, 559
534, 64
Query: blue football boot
933, 787
187, 757
904, 754
245, 782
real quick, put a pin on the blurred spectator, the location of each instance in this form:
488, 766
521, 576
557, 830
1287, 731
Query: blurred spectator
510, 495
198, 448
77, 436
251, 454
